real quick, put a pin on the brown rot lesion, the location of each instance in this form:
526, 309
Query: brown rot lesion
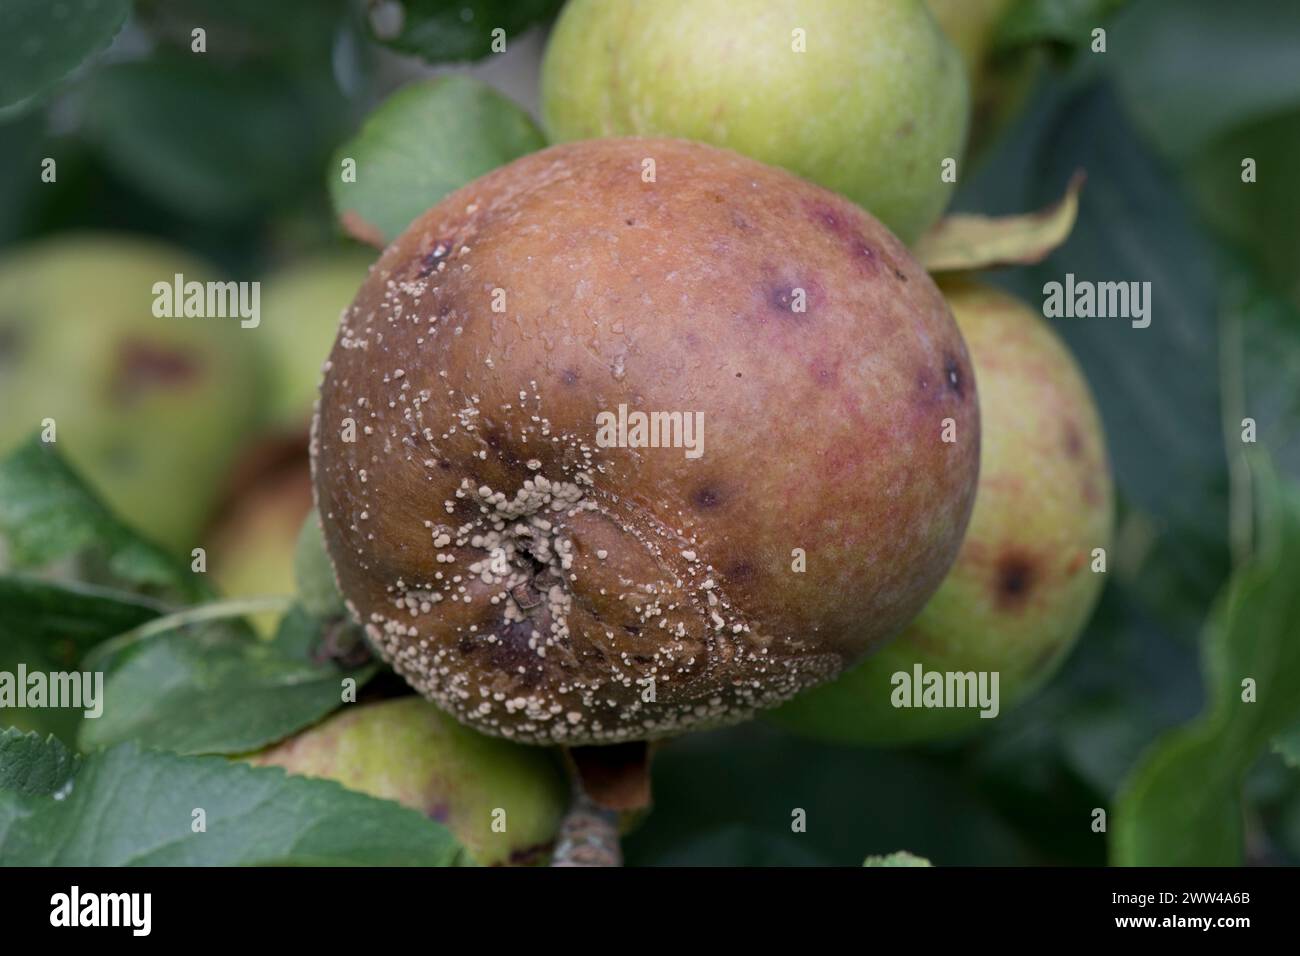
440, 251
954, 376
1016, 576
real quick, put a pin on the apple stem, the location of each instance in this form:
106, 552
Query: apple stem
588, 835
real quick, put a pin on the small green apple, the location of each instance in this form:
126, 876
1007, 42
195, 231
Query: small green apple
150, 409
503, 801
865, 97
300, 317
1026, 578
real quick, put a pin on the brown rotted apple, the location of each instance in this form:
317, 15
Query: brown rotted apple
544, 575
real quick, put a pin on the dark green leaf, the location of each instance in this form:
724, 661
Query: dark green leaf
210, 688
420, 144
300, 32
856, 802
68, 617
213, 141
1066, 22
41, 41
1266, 330
314, 574
32, 766
47, 513
1182, 806
1288, 745
1163, 54
47, 626
131, 807
1157, 387
298, 635
1262, 217
446, 30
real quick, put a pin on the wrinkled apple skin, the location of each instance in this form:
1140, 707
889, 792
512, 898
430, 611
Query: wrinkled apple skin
590, 594
1023, 586
150, 410
871, 110
408, 751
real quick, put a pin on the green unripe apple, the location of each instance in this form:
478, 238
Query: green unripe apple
151, 410
865, 97
301, 307
1026, 578
503, 801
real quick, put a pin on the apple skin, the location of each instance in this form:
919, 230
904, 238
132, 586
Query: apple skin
301, 306
408, 751
1022, 589
652, 574
870, 110
150, 410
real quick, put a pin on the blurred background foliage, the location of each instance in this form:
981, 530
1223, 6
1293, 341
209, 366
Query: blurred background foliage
230, 156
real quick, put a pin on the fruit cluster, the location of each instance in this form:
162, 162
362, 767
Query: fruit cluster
544, 586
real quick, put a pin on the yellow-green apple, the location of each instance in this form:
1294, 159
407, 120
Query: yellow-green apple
503, 801
150, 408
865, 97
1029, 571
300, 317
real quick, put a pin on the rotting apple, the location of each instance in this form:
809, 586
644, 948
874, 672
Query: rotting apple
865, 97
503, 801
540, 584
150, 409
1026, 579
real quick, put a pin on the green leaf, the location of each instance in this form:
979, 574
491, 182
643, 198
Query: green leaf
314, 574
213, 141
422, 143
1263, 216
48, 513
1288, 745
42, 41
1161, 52
1182, 805
68, 618
756, 776
1266, 329
47, 626
1066, 22
34, 766
132, 807
210, 688
900, 858
449, 30
1164, 431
